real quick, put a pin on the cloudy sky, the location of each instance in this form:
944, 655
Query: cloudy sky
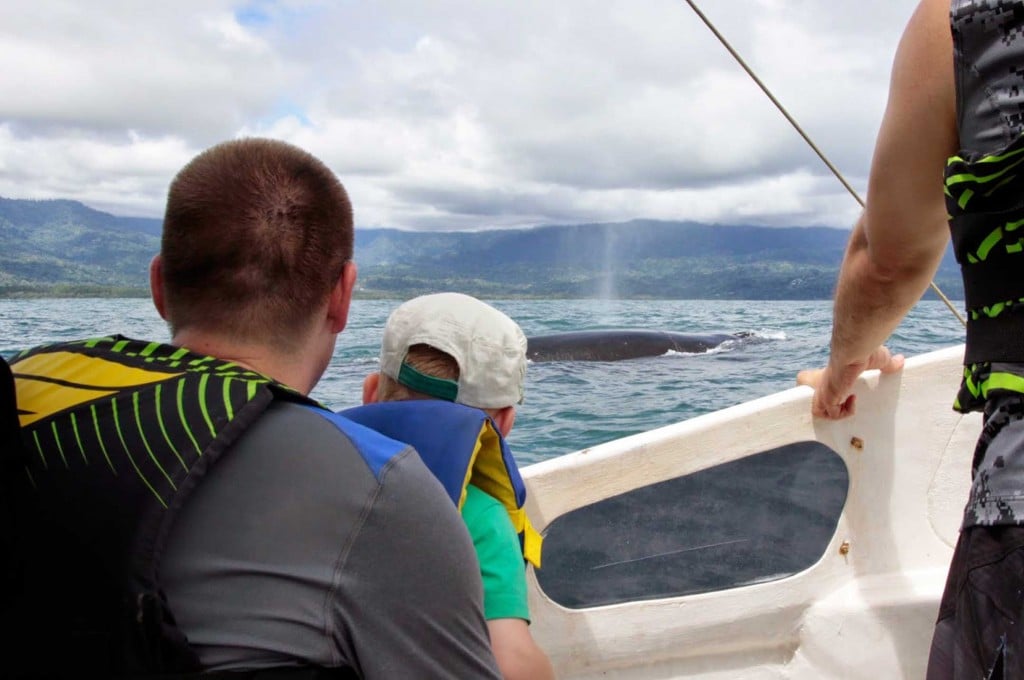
456, 114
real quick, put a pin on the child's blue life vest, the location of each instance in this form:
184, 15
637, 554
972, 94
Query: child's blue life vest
461, 445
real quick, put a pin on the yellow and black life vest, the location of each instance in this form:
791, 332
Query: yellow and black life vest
116, 434
461, 445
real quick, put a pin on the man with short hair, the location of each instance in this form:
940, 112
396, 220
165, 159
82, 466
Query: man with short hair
450, 347
186, 507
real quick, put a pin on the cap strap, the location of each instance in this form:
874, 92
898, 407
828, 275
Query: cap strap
442, 388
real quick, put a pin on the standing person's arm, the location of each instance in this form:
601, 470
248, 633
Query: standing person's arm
897, 243
410, 598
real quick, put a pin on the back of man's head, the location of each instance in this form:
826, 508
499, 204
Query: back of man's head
255, 237
454, 347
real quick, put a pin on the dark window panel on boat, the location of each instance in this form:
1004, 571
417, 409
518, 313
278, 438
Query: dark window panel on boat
761, 518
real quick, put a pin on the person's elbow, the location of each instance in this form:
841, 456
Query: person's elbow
898, 246
518, 655
891, 264
892, 268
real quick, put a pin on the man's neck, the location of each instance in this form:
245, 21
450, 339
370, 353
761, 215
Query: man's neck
291, 368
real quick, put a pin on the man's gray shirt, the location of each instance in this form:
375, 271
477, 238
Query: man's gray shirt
314, 543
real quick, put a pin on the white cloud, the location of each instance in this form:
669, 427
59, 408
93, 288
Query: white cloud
127, 176
182, 68
454, 114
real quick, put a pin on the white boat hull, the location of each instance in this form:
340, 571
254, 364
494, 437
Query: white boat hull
865, 609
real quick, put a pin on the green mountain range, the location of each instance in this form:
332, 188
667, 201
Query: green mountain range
62, 247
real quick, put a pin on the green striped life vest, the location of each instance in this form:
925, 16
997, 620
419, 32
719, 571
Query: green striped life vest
117, 433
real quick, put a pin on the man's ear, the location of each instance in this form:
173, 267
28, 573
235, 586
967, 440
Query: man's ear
341, 297
156, 285
505, 418
370, 388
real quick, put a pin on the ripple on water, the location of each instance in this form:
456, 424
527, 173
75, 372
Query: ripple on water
569, 405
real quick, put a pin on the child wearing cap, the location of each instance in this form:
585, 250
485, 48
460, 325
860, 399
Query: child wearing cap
455, 350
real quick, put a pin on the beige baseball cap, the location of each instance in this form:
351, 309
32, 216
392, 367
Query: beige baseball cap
488, 346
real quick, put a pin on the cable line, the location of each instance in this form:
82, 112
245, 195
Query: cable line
796, 126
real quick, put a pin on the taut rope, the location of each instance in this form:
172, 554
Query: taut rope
796, 126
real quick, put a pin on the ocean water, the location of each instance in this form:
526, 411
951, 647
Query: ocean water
569, 405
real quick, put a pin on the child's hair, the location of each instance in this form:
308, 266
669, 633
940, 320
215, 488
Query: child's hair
427, 360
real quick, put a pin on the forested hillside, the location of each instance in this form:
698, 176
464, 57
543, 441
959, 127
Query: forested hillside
66, 248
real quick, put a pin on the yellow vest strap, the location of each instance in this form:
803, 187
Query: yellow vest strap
532, 540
